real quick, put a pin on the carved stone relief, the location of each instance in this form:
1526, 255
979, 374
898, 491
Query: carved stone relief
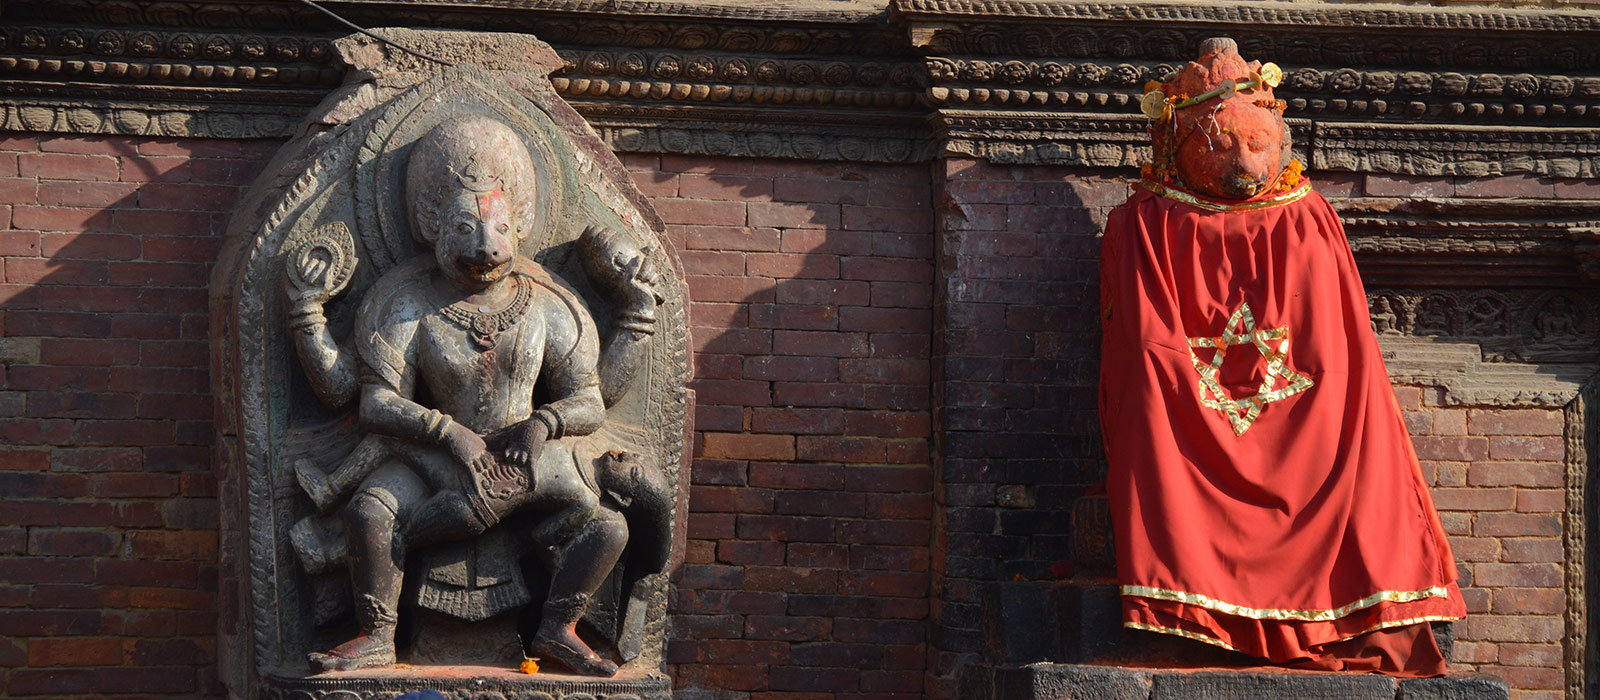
389, 288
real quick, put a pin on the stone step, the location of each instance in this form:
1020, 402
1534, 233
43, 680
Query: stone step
1049, 681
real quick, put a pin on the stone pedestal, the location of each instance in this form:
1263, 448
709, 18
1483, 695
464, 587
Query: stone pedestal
1064, 640
465, 683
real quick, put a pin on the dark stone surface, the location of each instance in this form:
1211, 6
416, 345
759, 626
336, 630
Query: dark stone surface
1071, 682
1462, 686
1269, 685
466, 683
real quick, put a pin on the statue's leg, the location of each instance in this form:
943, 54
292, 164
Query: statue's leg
373, 518
581, 562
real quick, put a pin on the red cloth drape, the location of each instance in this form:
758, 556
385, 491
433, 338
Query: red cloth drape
1298, 536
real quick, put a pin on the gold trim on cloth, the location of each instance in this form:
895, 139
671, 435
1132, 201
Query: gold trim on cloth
1243, 412
1178, 195
1186, 634
1210, 603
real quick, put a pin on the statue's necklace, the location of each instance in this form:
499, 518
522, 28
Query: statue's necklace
484, 327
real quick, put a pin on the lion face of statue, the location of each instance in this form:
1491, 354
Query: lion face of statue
1235, 152
475, 243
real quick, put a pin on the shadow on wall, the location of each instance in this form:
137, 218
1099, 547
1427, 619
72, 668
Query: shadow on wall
811, 502
108, 540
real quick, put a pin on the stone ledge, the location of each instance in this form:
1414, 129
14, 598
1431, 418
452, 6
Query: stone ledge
1046, 681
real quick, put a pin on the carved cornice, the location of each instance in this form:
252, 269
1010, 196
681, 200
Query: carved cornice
1412, 90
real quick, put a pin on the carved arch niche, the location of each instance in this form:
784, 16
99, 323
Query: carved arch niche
336, 191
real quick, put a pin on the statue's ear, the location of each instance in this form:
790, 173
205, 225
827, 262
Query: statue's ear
425, 218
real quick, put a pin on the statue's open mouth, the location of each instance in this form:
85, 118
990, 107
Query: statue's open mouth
484, 273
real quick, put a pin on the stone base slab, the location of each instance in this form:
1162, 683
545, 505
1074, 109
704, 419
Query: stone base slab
465, 683
1047, 681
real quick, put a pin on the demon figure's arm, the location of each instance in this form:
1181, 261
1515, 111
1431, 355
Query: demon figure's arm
623, 272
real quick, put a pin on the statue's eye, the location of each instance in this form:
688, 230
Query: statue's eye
503, 228
464, 228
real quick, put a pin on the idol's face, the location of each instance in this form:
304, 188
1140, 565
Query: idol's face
476, 241
1233, 153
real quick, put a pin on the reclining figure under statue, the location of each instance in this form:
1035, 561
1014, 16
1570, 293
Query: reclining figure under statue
481, 381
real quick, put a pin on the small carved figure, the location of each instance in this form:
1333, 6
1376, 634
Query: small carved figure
1486, 317
1384, 319
1557, 322
483, 330
1433, 316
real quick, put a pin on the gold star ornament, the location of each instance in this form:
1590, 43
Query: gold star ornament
1279, 383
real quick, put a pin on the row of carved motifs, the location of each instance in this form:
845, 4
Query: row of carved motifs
979, 80
1531, 321
1308, 40
166, 57
737, 79
143, 120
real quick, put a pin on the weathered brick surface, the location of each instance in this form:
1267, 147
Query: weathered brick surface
806, 574
108, 580
844, 316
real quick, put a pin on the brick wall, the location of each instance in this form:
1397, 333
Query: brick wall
108, 529
843, 315
806, 574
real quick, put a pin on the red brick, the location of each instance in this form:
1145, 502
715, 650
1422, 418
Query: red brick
42, 271
61, 219
812, 678
791, 579
184, 546
47, 623
1474, 499
889, 479
902, 294
1531, 186
794, 317
65, 166
700, 235
24, 459
1526, 448
1462, 449
831, 344
85, 144
1524, 601
820, 555
1538, 474
887, 270
830, 503
19, 243
701, 212
19, 190
819, 421
789, 628
787, 265
1546, 655
914, 533
1475, 548
171, 598
1409, 186
732, 188
840, 449
828, 241
836, 292
794, 215
1526, 678
1531, 549
729, 499
72, 542
1527, 575
86, 651
785, 528
883, 583
1515, 422
730, 289
88, 194
797, 476
741, 553
726, 677
1541, 501
744, 446
785, 368
873, 319
711, 262
899, 219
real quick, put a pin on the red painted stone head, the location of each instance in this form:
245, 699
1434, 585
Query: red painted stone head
1218, 130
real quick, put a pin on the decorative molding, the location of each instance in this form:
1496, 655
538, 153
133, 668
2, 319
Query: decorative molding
1581, 423
1416, 91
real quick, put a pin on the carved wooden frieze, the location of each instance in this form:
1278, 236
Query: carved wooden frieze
1470, 92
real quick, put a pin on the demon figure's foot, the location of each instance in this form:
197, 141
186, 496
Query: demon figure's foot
558, 639
365, 651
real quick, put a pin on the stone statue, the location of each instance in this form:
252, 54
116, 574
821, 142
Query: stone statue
495, 360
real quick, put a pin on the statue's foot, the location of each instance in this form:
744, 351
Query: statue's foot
566, 648
365, 651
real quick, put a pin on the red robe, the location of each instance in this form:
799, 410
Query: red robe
1282, 525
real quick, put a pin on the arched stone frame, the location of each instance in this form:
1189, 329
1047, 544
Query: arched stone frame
343, 171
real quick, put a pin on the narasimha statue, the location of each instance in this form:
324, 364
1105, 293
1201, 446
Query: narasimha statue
1264, 491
